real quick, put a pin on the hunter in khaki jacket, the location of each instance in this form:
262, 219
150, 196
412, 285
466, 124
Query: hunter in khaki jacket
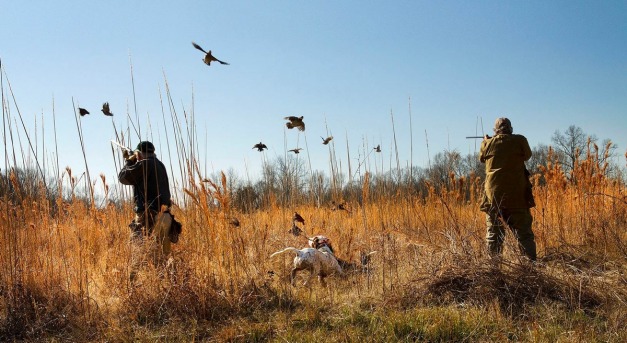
506, 180
507, 192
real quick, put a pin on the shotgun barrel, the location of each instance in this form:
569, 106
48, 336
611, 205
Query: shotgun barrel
121, 146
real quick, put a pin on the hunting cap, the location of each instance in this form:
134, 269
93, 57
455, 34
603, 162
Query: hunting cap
503, 125
145, 146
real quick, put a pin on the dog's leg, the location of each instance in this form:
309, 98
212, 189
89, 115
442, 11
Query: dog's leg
306, 283
293, 276
322, 280
312, 272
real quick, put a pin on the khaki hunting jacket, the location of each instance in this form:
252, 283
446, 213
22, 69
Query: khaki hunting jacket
506, 184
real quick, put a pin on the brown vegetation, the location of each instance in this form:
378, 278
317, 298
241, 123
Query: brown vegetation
65, 270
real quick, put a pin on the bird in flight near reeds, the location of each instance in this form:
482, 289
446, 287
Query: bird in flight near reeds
298, 218
296, 151
208, 56
260, 146
106, 110
295, 122
326, 141
82, 111
378, 148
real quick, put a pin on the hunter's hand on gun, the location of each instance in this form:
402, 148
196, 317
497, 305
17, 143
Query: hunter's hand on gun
128, 154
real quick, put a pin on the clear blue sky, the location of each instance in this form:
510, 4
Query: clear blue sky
345, 65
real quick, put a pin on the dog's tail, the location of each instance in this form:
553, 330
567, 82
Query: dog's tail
298, 252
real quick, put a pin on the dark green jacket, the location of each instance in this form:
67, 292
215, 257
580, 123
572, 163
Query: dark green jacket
506, 183
149, 179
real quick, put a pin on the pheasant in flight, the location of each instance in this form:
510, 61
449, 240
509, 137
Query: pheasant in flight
208, 56
298, 218
260, 146
106, 110
295, 122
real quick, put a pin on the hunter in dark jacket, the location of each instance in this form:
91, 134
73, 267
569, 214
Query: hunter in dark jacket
151, 193
149, 179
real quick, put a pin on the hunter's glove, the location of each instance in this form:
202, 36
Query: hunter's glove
128, 155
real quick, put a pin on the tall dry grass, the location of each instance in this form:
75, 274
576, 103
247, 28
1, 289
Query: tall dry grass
65, 274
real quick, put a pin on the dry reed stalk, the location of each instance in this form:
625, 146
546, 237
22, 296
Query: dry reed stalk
19, 113
411, 142
178, 137
56, 144
428, 152
167, 136
79, 129
316, 196
398, 162
138, 129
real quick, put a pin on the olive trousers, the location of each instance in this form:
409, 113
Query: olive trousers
150, 240
519, 221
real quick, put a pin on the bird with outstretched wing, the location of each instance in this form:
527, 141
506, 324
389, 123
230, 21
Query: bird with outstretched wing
260, 146
295, 122
208, 56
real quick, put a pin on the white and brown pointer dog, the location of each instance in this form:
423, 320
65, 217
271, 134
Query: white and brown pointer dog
318, 260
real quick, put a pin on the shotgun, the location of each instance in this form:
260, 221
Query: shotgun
126, 152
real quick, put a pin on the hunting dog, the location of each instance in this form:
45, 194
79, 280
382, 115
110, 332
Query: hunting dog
318, 260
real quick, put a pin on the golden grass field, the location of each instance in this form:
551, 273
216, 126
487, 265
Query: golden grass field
64, 271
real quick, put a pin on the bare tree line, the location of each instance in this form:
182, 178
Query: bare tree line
287, 181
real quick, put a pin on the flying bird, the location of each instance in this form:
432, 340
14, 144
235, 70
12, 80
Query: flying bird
296, 151
82, 111
326, 141
260, 146
298, 218
106, 110
208, 56
378, 148
295, 122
